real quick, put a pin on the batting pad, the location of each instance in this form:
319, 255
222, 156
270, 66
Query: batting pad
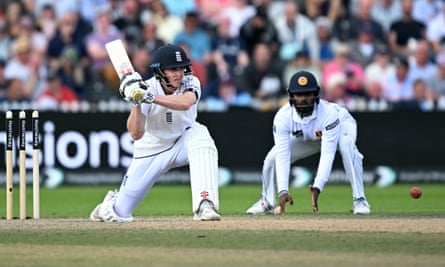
203, 165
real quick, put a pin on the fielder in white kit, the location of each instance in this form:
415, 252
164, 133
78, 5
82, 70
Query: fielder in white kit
303, 127
166, 135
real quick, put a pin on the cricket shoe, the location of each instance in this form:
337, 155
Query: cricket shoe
110, 196
261, 207
206, 212
361, 206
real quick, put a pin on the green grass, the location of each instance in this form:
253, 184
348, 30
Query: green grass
89, 244
170, 200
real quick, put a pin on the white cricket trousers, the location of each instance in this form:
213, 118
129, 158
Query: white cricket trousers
351, 157
143, 173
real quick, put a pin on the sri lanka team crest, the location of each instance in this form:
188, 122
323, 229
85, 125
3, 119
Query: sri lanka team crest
302, 81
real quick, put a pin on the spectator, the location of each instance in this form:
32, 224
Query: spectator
259, 29
404, 30
227, 95
385, 12
326, 8
129, 23
13, 13
26, 66
55, 94
238, 13
46, 20
71, 71
425, 10
343, 28
150, 40
228, 56
324, 32
379, 69
227, 91
87, 8
374, 92
211, 10
65, 36
300, 61
168, 25
141, 60
297, 32
38, 39
102, 71
228, 50
82, 26
437, 81
364, 20
117, 10
435, 32
181, 9
335, 89
275, 9
15, 92
342, 63
262, 77
398, 88
362, 50
196, 39
421, 66
5, 42
423, 96
2, 78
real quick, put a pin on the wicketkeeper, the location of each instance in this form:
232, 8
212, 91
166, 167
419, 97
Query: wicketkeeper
166, 135
303, 127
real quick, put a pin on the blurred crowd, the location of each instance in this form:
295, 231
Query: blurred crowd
367, 54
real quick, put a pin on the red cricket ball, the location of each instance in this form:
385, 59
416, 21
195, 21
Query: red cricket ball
415, 192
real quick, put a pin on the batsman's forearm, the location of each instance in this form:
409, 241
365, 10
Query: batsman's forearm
176, 102
136, 122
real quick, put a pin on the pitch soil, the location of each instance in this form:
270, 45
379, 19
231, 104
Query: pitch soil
306, 223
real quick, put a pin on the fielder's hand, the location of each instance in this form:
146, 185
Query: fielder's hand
284, 198
133, 88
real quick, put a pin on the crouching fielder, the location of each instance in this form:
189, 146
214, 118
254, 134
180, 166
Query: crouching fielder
163, 125
305, 126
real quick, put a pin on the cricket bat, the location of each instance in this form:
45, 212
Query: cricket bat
121, 62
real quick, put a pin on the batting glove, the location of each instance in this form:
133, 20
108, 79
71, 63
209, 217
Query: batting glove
133, 88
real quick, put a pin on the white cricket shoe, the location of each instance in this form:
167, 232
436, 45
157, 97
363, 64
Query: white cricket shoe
261, 207
206, 212
361, 206
94, 216
104, 212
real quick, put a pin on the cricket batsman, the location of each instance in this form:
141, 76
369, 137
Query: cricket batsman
166, 135
303, 127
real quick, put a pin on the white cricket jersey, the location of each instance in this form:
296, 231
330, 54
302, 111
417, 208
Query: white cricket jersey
164, 126
322, 126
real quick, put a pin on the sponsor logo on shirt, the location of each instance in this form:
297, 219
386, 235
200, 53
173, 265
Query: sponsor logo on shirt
332, 125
